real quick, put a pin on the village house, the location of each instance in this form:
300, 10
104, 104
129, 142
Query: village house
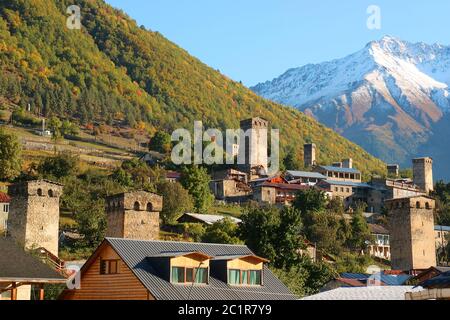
125, 269
442, 234
4, 210
380, 247
21, 273
303, 177
230, 186
277, 193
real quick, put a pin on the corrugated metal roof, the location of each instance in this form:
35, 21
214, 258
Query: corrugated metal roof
365, 293
347, 183
211, 219
337, 169
441, 281
306, 174
135, 253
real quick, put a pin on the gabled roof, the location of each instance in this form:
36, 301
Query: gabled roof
338, 169
175, 254
209, 218
240, 256
135, 255
378, 229
4, 198
16, 265
439, 282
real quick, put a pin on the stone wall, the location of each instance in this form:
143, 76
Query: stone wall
411, 222
134, 215
34, 214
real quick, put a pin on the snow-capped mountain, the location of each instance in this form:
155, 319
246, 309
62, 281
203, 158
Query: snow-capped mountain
392, 97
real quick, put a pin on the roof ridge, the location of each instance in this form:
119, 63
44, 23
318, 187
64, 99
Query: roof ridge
184, 242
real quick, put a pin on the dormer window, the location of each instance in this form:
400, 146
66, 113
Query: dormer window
186, 267
245, 277
181, 275
242, 270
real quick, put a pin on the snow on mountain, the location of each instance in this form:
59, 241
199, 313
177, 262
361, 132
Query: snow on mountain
387, 97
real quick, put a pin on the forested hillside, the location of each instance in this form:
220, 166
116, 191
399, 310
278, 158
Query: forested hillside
116, 72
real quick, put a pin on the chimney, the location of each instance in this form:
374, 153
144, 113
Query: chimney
347, 163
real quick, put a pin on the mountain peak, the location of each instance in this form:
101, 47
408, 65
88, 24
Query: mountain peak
387, 97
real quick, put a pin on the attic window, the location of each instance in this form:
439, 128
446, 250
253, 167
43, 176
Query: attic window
181, 275
109, 267
245, 277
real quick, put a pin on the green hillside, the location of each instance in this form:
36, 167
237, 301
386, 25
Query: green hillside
116, 72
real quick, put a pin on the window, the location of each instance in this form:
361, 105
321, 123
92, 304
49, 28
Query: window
149, 207
50, 193
234, 277
6, 208
244, 277
255, 278
39, 192
178, 275
186, 275
137, 206
109, 266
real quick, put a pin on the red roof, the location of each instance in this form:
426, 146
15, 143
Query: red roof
4, 198
173, 175
351, 282
286, 186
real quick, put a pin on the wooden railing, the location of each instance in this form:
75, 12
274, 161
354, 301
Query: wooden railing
52, 260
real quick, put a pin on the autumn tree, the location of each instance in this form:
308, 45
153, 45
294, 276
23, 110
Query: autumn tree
196, 181
10, 156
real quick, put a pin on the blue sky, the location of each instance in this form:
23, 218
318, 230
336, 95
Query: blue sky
256, 40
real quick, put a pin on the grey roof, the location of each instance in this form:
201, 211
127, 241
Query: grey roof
15, 263
135, 254
365, 293
211, 219
306, 174
348, 183
337, 169
442, 228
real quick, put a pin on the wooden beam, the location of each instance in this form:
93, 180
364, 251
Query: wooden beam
14, 292
41, 292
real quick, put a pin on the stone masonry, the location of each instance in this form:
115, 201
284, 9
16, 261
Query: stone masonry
423, 173
133, 215
411, 223
34, 214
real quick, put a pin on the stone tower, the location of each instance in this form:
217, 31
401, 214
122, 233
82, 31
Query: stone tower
411, 223
423, 173
309, 151
133, 215
34, 214
255, 144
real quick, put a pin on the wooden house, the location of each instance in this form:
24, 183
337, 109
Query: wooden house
124, 269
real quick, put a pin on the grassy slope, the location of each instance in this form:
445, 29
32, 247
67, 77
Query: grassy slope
157, 77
